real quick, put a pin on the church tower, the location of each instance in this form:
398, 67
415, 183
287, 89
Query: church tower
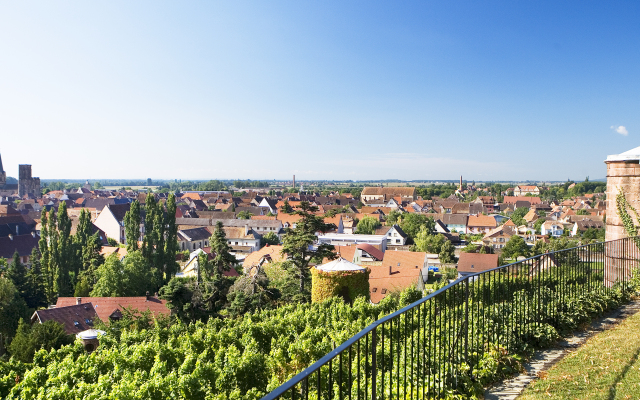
3, 175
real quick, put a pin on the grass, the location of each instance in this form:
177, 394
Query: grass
607, 366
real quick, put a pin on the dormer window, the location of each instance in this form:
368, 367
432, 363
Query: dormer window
76, 323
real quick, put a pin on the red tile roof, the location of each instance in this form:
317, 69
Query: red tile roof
376, 253
105, 306
476, 262
75, 318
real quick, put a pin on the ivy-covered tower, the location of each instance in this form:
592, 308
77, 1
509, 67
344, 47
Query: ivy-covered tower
339, 278
623, 175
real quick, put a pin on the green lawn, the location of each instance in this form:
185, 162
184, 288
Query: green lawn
605, 367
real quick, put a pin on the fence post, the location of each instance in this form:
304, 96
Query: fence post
466, 321
374, 371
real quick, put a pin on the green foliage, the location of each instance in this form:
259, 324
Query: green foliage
270, 238
244, 215
29, 339
515, 247
297, 243
518, 216
132, 221
345, 284
12, 308
132, 277
434, 244
367, 225
412, 223
393, 217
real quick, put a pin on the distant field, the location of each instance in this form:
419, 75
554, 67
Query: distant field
132, 187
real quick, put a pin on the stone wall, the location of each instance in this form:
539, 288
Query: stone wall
620, 256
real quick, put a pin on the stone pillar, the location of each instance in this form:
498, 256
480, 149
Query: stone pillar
623, 172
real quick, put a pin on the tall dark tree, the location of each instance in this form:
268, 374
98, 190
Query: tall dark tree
17, 273
48, 272
65, 253
223, 260
132, 222
35, 296
171, 247
297, 242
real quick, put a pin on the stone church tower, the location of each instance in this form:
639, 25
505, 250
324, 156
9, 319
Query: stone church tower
26, 183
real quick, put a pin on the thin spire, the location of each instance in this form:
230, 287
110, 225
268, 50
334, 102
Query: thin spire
1, 170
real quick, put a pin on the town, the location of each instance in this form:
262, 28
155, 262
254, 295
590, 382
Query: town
85, 253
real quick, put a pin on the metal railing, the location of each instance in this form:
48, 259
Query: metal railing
434, 346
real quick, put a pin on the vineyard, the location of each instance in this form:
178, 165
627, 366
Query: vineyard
222, 359
446, 345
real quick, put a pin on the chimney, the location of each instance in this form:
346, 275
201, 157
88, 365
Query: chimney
17, 230
389, 269
78, 300
246, 229
148, 295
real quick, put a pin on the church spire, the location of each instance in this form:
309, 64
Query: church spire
1, 170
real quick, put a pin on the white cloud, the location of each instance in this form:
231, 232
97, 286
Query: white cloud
621, 130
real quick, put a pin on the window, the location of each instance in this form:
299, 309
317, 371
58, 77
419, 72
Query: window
374, 290
76, 323
384, 291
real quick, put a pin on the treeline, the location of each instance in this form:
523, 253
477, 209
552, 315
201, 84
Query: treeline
250, 184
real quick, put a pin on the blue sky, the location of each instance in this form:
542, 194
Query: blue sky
325, 90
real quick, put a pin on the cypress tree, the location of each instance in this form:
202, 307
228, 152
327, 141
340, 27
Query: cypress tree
17, 273
171, 245
35, 296
65, 252
45, 257
132, 226
223, 260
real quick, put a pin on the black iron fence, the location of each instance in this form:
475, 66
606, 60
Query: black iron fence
442, 342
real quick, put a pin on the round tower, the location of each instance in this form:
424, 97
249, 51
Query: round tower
623, 173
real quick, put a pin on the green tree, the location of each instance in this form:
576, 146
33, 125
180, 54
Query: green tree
244, 215
12, 308
286, 207
297, 242
515, 247
132, 221
131, 277
518, 216
17, 273
184, 298
411, 224
35, 296
582, 212
447, 253
393, 217
270, 238
171, 247
223, 260
29, 339
367, 225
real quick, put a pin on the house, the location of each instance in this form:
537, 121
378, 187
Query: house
23, 244
365, 252
111, 221
583, 225
553, 228
456, 222
342, 239
267, 254
498, 237
190, 268
120, 252
395, 235
480, 224
110, 308
243, 240
75, 318
192, 239
513, 199
383, 194
525, 190
472, 263
399, 270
